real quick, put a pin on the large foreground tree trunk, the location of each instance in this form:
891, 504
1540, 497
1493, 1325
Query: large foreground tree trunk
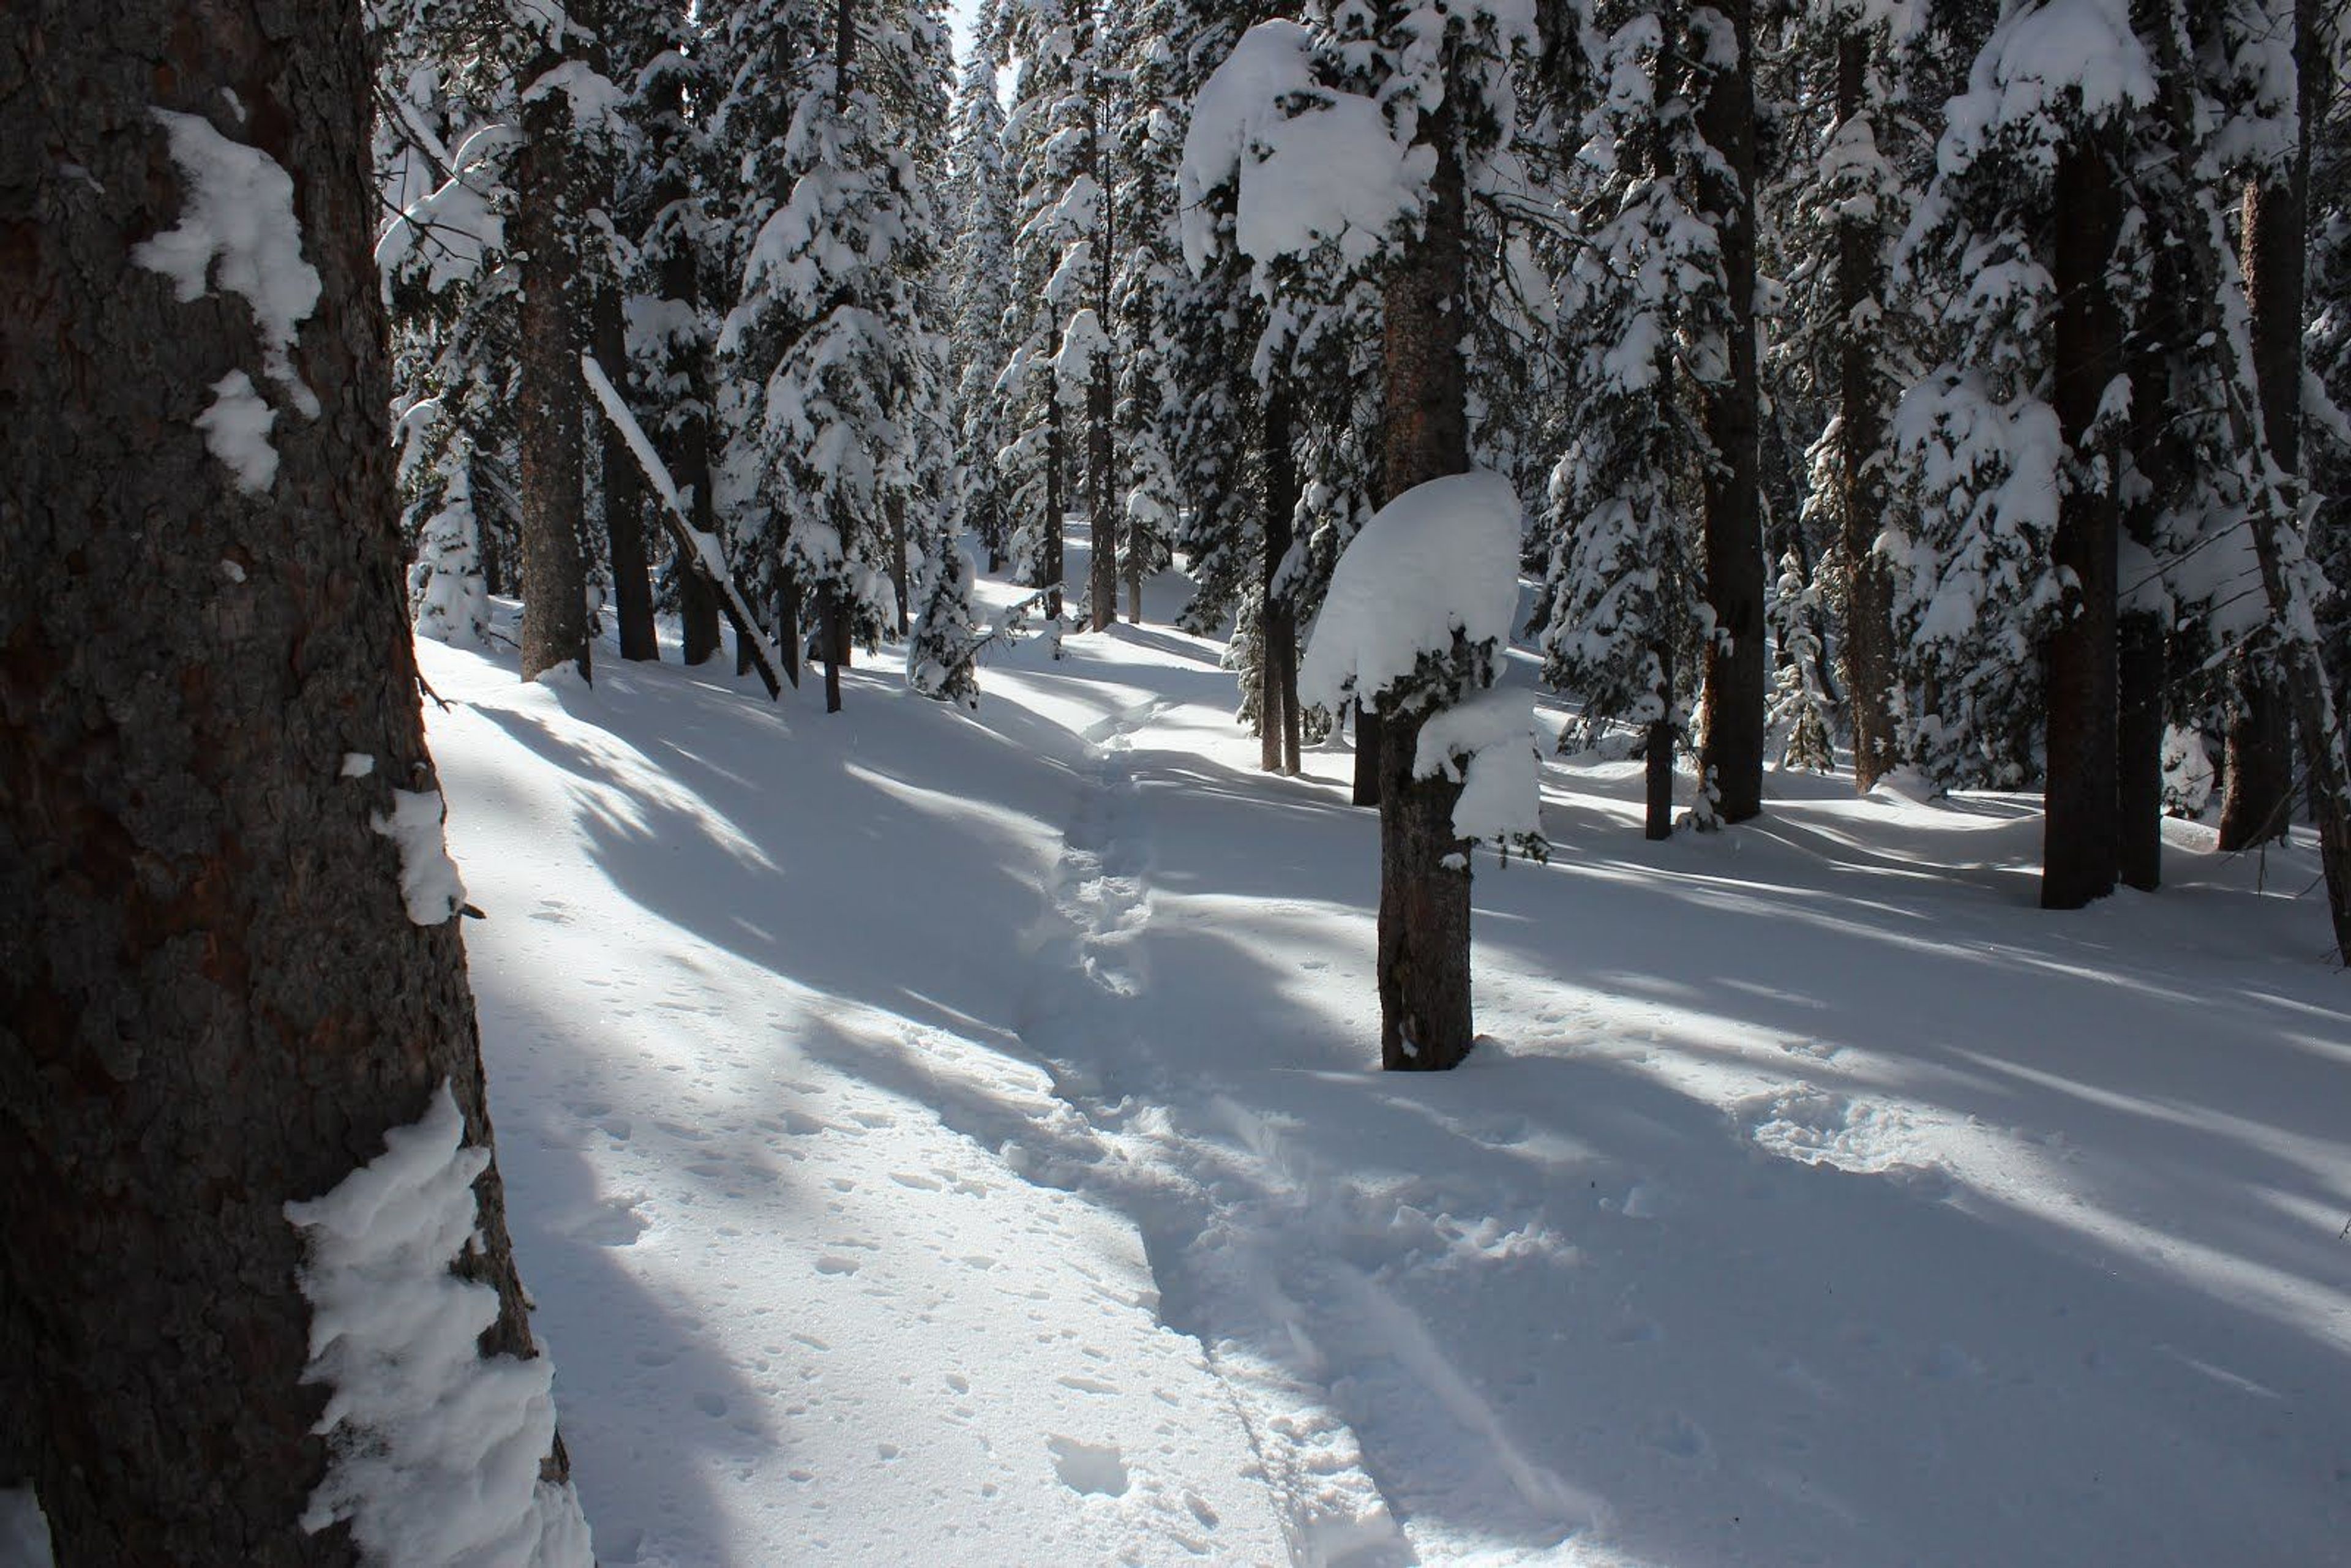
212, 998
1730, 762
548, 211
2081, 843
1424, 934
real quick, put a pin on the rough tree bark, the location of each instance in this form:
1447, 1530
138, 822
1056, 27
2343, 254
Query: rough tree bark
2081, 846
1868, 641
1424, 926
625, 501
212, 998
546, 234
1730, 761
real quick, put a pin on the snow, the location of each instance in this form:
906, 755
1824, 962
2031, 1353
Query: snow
24, 1534
1487, 745
1440, 558
435, 1448
2043, 65
912, 1120
238, 226
594, 97
235, 426
456, 225
429, 884
1312, 164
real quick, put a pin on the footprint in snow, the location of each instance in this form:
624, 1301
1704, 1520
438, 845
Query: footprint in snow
1089, 1467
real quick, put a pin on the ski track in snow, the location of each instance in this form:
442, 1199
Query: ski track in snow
945, 1140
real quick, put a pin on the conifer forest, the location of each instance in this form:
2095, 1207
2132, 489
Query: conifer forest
1330, 782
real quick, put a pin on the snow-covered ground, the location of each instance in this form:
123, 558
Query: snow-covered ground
936, 1138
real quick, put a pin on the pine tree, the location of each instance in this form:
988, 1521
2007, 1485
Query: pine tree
562, 96
1151, 109
1730, 756
982, 266
1645, 293
827, 326
1056, 205
672, 328
1847, 204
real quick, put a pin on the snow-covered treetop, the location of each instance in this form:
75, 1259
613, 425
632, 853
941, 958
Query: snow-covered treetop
1312, 164
1441, 559
2044, 67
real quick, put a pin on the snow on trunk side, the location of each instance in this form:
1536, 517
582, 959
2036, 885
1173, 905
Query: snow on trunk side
429, 883
435, 1448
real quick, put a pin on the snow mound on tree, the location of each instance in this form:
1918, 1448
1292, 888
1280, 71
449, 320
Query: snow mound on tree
1488, 745
237, 225
436, 1448
1312, 165
1441, 558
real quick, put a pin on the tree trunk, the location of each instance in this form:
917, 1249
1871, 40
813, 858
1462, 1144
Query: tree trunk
1658, 782
1868, 641
1101, 588
2274, 268
2257, 802
2081, 845
1048, 554
2139, 673
625, 500
832, 638
1736, 678
1277, 633
788, 622
1366, 789
213, 1001
683, 436
1423, 931
896, 506
1293, 717
1133, 586
546, 234
2257, 767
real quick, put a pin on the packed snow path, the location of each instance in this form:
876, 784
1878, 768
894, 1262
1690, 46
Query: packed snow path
949, 1139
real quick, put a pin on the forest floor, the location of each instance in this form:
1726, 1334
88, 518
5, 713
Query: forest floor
955, 1139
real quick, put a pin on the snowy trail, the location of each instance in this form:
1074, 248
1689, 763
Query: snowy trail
938, 1139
